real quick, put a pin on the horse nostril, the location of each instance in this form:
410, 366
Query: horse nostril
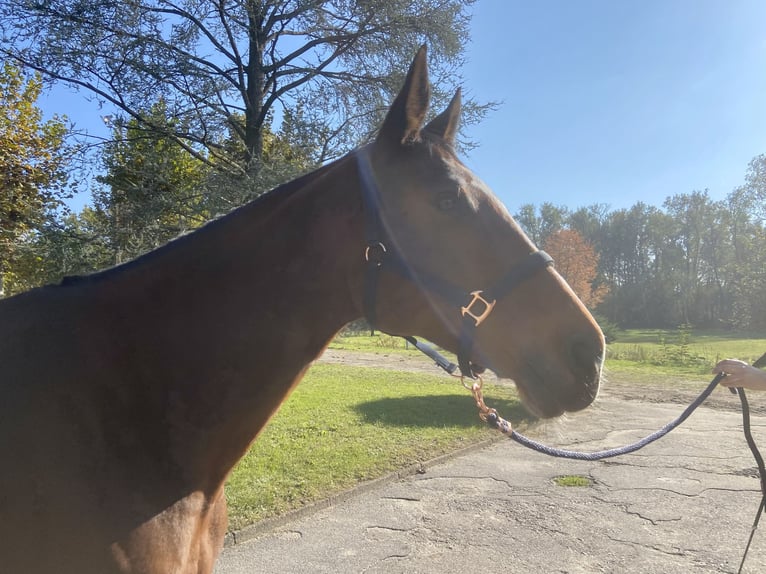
588, 356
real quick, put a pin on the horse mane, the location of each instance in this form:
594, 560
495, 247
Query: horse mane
262, 202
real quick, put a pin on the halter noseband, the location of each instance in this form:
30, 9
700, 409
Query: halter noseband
475, 306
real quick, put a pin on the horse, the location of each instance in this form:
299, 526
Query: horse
128, 395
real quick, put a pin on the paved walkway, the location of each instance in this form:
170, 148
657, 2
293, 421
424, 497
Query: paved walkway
682, 505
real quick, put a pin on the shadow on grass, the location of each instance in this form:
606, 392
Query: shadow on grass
435, 411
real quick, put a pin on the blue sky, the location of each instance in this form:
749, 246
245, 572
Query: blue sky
603, 101
617, 102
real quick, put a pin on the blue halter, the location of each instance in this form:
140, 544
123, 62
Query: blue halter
474, 306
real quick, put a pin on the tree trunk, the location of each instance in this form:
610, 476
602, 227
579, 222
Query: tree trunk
255, 90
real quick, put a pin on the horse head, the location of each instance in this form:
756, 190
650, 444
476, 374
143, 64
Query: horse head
450, 264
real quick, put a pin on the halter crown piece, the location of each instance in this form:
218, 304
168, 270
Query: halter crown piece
474, 306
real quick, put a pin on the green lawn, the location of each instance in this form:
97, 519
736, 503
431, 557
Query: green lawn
346, 424
681, 351
377, 343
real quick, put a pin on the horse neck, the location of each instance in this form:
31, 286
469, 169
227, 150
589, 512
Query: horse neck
247, 303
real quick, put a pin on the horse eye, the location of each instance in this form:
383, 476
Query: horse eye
446, 201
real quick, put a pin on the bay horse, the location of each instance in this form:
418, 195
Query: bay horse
127, 396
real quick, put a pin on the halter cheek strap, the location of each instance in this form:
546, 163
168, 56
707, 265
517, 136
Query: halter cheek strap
474, 306
483, 302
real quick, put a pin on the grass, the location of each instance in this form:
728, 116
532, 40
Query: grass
573, 480
343, 425
377, 343
682, 351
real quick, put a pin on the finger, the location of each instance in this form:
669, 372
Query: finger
729, 366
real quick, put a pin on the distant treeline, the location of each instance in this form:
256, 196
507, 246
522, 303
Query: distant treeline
693, 261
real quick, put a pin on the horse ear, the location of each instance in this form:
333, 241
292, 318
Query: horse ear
406, 115
445, 125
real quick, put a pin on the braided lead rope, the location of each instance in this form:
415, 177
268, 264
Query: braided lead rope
494, 420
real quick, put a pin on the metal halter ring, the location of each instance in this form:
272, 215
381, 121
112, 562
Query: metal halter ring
476, 384
478, 397
371, 246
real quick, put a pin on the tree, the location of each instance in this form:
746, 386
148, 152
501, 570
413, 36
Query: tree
577, 262
75, 244
589, 222
748, 285
697, 237
227, 66
33, 157
287, 154
744, 267
530, 222
637, 262
153, 188
539, 227
755, 179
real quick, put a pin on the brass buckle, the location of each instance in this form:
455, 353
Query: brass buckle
479, 318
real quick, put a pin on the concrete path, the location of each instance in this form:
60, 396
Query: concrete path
682, 505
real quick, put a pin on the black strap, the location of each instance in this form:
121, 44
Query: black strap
515, 277
375, 249
373, 228
518, 274
740, 392
758, 461
436, 356
749, 438
456, 296
760, 363
450, 292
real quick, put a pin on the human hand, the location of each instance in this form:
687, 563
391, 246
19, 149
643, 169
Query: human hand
740, 374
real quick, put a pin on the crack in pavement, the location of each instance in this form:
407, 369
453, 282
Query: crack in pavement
676, 552
734, 490
625, 507
669, 466
374, 565
657, 489
395, 557
474, 478
389, 528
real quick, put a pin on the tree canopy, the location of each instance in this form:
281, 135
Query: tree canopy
577, 261
33, 159
225, 67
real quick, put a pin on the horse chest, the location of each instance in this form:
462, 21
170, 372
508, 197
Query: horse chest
184, 539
